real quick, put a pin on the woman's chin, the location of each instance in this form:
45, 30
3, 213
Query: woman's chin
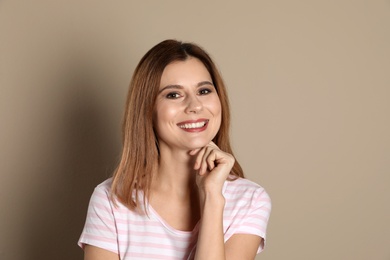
187, 145
197, 145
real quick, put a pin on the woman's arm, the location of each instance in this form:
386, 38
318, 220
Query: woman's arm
96, 253
214, 167
242, 246
210, 239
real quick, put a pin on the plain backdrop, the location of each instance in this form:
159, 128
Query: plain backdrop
309, 85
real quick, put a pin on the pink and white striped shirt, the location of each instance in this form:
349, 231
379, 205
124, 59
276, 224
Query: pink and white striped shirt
134, 235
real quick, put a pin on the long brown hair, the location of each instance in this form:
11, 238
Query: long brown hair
140, 155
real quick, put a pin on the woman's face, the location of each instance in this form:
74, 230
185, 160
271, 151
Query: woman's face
188, 109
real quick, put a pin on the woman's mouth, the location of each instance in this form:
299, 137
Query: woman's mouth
194, 125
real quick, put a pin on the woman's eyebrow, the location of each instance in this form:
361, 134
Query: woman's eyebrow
170, 87
200, 84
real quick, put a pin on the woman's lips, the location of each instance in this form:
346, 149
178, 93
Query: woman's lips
194, 125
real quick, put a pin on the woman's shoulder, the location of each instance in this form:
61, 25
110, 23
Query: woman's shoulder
241, 187
103, 193
105, 185
103, 190
242, 184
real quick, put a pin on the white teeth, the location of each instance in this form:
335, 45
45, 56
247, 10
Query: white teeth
193, 125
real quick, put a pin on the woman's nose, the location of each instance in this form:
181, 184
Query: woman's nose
194, 105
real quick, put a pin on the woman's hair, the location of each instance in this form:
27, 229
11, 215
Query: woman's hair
140, 154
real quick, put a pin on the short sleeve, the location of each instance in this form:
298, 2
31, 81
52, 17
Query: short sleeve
256, 221
249, 209
100, 227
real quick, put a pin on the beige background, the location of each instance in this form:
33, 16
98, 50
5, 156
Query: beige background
309, 86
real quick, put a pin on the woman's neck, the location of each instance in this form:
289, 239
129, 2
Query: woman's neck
175, 173
174, 193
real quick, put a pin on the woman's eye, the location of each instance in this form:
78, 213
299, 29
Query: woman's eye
172, 95
205, 91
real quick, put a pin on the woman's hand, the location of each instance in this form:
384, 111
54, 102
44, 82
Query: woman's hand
213, 167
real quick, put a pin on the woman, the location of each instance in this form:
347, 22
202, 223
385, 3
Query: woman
178, 192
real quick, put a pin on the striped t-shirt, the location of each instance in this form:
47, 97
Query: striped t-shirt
134, 235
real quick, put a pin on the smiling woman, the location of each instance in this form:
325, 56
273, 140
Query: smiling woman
188, 110
178, 192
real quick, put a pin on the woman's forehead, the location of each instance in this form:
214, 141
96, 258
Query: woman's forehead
188, 72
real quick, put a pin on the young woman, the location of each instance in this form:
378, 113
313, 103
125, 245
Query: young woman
178, 192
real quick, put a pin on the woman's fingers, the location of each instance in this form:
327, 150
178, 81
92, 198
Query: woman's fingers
211, 160
204, 162
200, 157
210, 157
195, 151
